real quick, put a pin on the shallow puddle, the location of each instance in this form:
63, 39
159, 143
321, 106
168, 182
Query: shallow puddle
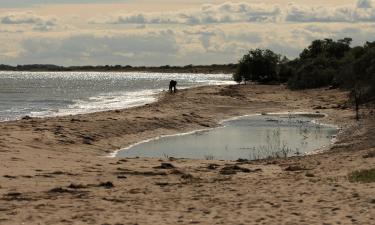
250, 137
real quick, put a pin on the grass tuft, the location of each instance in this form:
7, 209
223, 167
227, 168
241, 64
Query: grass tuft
363, 176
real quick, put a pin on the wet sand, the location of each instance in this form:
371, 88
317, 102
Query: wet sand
55, 170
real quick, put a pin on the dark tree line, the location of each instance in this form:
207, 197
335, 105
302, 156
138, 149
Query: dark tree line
323, 63
214, 68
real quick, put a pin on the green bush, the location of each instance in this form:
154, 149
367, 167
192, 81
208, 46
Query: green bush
363, 176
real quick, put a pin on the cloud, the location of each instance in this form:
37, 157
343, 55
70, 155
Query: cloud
92, 49
28, 3
20, 18
231, 12
361, 12
207, 14
209, 34
364, 4
28, 18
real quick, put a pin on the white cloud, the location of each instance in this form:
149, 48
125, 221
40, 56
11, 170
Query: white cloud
207, 14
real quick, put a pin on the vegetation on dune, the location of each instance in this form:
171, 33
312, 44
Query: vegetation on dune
258, 65
323, 63
363, 176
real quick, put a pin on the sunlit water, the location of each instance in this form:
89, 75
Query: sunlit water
61, 93
252, 137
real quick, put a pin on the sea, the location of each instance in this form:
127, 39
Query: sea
47, 94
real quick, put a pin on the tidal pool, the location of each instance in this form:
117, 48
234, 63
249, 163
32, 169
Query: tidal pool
249, 137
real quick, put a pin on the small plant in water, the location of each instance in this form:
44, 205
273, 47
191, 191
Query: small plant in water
298, 153
273, 149
166, 156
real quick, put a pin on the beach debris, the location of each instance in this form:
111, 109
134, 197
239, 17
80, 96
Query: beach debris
139, 173
122, 161
204, 125
27, 118
164, 184
213, 166
165, 166
233, 169
187, 176
369, 155
87, 139
58, 130
243, 160
15, 196
107, 185
319, 107
77, 186
309, 175
135, 191
116, 200
293, 168
176, 172
60, 190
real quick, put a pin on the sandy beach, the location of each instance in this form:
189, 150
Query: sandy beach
56, 170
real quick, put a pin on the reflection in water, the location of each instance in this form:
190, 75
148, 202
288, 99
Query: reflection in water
252, 137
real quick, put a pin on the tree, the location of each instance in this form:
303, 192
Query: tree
314, 73
357, 74
327, 48
319, 64
285, 70
258, 65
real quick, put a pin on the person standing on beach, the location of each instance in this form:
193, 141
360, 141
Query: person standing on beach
172, 86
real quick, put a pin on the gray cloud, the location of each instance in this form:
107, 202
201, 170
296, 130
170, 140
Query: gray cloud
24, 18
364, 4
39, 23
362, 11
156, 47
29, 3
208, 14
211, 34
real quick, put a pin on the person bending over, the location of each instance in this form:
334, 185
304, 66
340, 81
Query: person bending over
172, 86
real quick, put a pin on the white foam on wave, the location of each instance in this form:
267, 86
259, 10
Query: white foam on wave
110, 101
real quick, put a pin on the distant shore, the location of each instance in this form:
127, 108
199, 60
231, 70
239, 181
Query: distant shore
213, 69
54, 170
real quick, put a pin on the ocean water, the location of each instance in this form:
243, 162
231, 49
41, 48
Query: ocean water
252, 137
41, 94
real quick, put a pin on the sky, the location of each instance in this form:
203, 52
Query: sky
172, 32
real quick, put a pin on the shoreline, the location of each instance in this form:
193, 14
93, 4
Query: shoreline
54, 170
123, 99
